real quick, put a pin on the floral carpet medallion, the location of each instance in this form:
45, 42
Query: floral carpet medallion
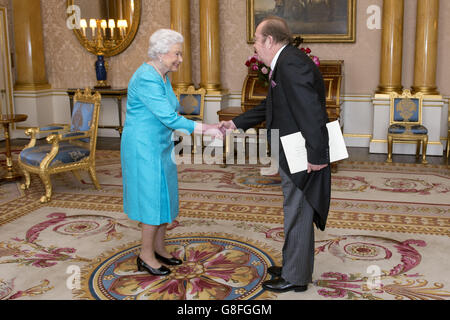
214, 268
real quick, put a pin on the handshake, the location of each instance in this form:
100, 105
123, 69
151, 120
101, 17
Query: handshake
217, 130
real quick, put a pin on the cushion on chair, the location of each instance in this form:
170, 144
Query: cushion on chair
51, 128
72, 134
194, 118
67, 153
418, 129
401, 129
397, 129
82, 117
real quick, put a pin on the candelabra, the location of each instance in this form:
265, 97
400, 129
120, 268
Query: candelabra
104, 37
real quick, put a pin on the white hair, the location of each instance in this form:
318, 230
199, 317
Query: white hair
161, 41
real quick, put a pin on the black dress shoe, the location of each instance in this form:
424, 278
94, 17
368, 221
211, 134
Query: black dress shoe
169, 261
162, 271
281, 285
274, 271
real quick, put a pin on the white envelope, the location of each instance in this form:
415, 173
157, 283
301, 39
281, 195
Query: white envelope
295, 150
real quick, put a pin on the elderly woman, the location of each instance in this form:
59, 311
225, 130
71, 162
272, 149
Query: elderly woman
150, 185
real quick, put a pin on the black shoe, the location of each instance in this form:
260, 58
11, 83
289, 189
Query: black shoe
162, 271
274, 271
281, 285
169, 261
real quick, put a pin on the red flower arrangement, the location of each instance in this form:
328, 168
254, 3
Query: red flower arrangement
307, 51
257, 65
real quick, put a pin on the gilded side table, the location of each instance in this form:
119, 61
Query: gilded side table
6, 120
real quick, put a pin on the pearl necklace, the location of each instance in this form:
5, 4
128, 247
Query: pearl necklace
153, 65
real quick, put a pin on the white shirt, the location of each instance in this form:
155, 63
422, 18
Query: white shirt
275, 59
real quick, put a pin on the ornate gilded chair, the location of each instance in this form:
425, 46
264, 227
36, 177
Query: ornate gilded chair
70, 147
192, 104
406, 122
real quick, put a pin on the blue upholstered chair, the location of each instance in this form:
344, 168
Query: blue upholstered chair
70, 147
192, 103
406, 122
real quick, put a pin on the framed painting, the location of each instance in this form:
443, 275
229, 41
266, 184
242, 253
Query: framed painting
313, 20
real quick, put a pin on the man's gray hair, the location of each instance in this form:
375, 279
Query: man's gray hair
161, 41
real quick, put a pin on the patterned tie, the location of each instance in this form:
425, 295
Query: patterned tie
270, 75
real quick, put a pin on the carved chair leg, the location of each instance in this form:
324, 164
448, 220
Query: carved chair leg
419, 143
224, 160
76, 173
94, 178
448, 145
26, 185
424, 150
390, 142
48, 187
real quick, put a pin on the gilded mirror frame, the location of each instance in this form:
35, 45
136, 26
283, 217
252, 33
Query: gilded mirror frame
124, 44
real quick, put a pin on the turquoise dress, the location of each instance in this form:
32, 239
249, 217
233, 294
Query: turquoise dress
149, 173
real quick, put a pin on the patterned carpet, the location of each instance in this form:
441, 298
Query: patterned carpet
387, 237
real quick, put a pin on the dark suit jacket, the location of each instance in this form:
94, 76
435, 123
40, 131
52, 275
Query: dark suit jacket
297, 103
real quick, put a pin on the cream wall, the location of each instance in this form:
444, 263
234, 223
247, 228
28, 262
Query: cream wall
69, 65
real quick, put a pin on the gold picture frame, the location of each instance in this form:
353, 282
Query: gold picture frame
314, 20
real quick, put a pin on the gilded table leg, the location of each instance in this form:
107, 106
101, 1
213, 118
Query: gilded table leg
11, 174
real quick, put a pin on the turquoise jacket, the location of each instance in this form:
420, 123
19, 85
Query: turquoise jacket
149, 173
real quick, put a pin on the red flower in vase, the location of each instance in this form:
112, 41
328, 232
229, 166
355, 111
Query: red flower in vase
262, 70
315, 59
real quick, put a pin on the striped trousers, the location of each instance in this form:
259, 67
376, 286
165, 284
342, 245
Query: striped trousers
298, 248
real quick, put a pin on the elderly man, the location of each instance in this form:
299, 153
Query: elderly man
295, 102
